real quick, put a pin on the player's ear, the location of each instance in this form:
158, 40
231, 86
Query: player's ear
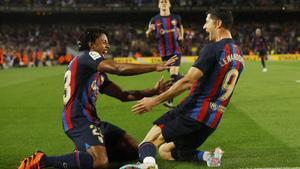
218, 23
91, 45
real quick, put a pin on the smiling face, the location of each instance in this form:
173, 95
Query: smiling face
100, 45
210, 27
164, 5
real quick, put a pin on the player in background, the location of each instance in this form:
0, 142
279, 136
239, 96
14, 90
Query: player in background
259, 46
178, 133
97, 142
168, 32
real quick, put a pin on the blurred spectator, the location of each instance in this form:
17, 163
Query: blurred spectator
37, 45
142, 3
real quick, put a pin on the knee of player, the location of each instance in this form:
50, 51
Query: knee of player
161, 138
100, 163
153, 136
162, 151
165, 152
158, 141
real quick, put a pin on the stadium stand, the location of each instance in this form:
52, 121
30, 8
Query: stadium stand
145, 3
34, 41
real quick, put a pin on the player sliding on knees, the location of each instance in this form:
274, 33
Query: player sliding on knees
178, 133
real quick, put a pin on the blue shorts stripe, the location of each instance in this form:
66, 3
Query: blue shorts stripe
65, 125
85, 101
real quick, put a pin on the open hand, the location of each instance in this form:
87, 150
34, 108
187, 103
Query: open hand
162, 85
144, 105
166, 65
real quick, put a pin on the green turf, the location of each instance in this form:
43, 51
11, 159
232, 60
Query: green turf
259, 129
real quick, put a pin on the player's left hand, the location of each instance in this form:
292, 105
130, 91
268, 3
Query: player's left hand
162, 85
144, 105
166, 65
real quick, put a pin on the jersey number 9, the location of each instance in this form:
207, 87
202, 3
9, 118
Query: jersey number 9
229, 83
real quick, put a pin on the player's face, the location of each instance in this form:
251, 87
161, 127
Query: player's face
210, 27
164, 4
101, 44
258, 32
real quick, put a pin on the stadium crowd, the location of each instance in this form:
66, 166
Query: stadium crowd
35, 44
145, 3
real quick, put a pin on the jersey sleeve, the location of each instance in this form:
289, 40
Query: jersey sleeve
206, 59
91, 61
104, 82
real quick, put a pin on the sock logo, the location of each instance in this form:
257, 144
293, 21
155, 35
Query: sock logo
65, 165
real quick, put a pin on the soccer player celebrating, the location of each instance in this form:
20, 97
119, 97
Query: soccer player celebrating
260, 47
211, 80
97, 142
168, 31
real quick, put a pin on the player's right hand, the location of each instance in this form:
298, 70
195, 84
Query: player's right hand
148, 33
151, 28
144, 105
166, 65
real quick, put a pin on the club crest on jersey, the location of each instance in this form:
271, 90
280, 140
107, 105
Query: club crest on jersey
213, 106
173, 22
94, 55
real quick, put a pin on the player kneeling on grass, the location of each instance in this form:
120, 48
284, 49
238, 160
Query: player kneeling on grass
211, 80
97, 142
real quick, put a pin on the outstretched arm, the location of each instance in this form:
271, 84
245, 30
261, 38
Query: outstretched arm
179, 87
181, 33
115, 91
127, 69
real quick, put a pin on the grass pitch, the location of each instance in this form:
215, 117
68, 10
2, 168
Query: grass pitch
261, 127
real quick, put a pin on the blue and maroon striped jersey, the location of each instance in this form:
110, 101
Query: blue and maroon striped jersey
82, 86
259, 44
221, 63
166, 34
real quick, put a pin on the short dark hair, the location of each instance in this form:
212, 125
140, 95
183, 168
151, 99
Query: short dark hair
223, 14
90, 35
